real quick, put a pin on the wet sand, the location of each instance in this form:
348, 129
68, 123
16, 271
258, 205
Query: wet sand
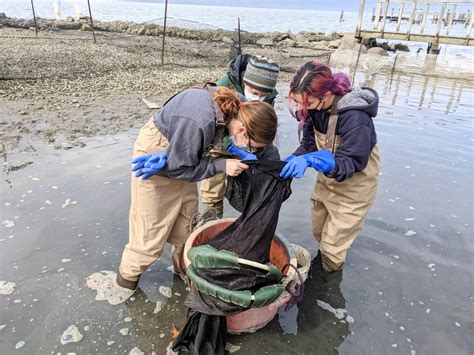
406, 286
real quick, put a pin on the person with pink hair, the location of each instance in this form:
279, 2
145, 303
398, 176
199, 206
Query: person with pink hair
339, 141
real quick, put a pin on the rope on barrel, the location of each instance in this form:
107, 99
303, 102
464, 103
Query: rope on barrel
299, 289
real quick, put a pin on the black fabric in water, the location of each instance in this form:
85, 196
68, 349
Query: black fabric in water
258, 193
202, 333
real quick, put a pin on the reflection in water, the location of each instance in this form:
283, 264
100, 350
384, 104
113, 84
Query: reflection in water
329, 329
433, 90
416, 88
321, 312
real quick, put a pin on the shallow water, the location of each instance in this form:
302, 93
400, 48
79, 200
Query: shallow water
407, 286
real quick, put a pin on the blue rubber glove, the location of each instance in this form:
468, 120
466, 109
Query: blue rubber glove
295, 168
289, 157
242, 154
321, 161
148, 165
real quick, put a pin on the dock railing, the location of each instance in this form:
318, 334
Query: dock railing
444, 15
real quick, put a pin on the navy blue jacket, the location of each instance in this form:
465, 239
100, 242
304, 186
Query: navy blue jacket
355, 128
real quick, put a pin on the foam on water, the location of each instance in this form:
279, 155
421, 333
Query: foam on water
107, 289
136, 351
339, 313
7, 287
71, 335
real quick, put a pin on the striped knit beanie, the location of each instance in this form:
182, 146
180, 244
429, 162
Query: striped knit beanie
261, 74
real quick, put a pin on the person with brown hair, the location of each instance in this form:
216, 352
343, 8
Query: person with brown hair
171, 154
256, 78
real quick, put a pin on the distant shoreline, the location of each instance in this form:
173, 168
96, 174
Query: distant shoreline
303, 39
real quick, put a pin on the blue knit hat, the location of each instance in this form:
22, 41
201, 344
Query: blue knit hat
261, 74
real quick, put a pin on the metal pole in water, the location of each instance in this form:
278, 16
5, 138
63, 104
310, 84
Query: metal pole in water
425, 17
451, 18
469, 28
359, 17
377, 16
34, 17
440, 21
357, 63
164, 35
446, 20
393, 68
385, 17
92, 22
412, 19
400, 15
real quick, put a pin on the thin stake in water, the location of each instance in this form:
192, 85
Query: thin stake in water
92, 23
34, 17
164, 35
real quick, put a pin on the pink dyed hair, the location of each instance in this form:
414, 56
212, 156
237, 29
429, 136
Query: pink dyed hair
315, 78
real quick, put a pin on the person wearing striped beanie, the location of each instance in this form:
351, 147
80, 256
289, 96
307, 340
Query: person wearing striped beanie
260, 78
255, 77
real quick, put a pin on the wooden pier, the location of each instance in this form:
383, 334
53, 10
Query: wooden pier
416, 12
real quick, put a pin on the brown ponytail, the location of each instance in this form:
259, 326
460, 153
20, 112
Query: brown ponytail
259, 118
228, 102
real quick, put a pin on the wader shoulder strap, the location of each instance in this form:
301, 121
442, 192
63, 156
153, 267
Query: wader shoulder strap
220, 121
331, 131
200, 86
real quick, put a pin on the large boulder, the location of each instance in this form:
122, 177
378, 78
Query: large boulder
319, 46
65, 25
291, 35
401, 47
265, 42
347, 41
334, 43
301, 38
385, 46
377, 51
287, 42
141, 31
278, 37
334, 35
360, 47
227, 40
314, 36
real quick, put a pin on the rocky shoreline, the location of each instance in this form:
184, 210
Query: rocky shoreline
304, 39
